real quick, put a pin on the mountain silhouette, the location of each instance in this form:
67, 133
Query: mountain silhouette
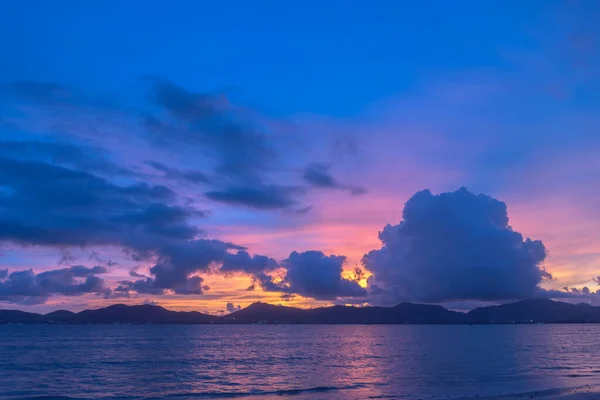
522, 312
536, 310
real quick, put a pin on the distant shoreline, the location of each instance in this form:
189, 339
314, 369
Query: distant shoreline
526, 312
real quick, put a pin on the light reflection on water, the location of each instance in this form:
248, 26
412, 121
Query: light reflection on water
342, 362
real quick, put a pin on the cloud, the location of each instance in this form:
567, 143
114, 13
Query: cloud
47, 204
50, 180
303, 210
207, 122
454, 246
43, 203
258, 197
134, 274
192, 285
246, 158
3, 273
39, 92
233, 151
243, 262
571, 295
176, 263
194, 177
26, 287
313, 274
597, 280
188, 285
585, 290
287, 297
232, 308
55, 152
318, 175
182, 103
139, 286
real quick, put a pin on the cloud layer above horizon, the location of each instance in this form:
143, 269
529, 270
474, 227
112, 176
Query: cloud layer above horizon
211, 185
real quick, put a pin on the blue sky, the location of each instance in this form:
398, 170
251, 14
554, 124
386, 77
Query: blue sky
332, 58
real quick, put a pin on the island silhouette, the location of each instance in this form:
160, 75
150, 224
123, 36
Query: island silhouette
529, 311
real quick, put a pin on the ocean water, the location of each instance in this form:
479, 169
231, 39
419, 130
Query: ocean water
300, 362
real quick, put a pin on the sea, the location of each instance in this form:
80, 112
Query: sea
415, 362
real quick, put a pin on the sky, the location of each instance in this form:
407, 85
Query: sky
206, 155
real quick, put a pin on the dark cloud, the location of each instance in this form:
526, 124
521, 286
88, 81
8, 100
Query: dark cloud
134, 274
243, 262
303, 211
189, 285
164, 220
287, 297
176, 263
183, 176
454, 247
359, 274
240, 159
232, 308
192, 285
313, 274
245, 156
95, 256
206, 121
258, 197
26, 287
318, 176
178, 260
39, 92
140, 286
50, 205
59, 191
66, 258
585, 290
183, 103
597, 280
3, 273
42, 203
79, 156
47, 204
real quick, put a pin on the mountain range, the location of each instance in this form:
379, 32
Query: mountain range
522, 312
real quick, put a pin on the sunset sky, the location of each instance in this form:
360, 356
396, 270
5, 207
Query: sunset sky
195, 153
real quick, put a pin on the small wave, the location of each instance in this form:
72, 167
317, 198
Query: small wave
282, 392
538, 393
207, 395
45, 397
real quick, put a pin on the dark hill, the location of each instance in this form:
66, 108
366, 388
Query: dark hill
534, 311
526, 311
15, 316
59, 316
265, 313
142, 314
405, 313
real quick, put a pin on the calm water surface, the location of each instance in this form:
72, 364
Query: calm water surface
303, 362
